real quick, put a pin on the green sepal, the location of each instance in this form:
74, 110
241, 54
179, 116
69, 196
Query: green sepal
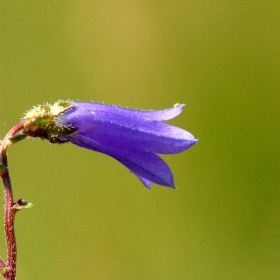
17, 138
40, 121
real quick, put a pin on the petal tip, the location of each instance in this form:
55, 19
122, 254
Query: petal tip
179, 105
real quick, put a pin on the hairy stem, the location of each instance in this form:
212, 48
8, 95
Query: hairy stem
9, 271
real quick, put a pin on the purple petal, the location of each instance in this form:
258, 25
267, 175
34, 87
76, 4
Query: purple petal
156, 115
130, 136
126, 130
145, 182
147, 166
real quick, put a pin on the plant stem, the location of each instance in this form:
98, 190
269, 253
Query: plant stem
9, 270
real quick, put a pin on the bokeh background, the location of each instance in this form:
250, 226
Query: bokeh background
93, 219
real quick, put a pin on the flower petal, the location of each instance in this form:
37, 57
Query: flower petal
127, 130
147, 166
156, 115
145, 182
130, 136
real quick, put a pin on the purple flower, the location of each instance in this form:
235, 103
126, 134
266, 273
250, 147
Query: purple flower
133, 137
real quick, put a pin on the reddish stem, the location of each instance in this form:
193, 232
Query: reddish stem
10, 212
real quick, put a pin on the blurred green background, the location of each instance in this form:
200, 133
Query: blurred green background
93, 219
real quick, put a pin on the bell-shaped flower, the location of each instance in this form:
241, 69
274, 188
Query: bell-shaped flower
132, 137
